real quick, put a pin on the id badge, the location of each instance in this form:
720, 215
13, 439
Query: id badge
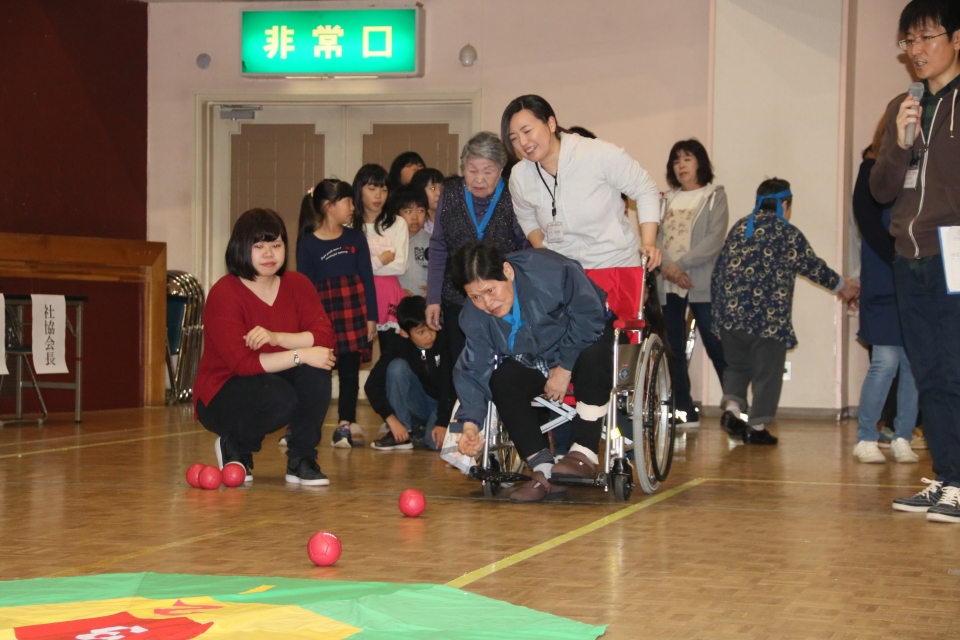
910, 180
554, 232
913, 174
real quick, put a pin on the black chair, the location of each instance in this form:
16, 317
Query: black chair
17, 347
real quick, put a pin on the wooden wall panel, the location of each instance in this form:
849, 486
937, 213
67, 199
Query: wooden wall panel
439, 148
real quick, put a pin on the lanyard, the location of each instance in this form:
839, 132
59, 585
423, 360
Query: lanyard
553, 194
514, 317
486, 218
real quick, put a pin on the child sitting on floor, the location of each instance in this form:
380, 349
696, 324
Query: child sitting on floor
411, 386
752, 294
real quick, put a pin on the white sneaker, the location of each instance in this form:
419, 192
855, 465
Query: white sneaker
902, 451
868, 451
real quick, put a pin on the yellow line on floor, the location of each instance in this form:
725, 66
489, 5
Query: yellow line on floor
162, 547
509, 561
813, 484
101, 444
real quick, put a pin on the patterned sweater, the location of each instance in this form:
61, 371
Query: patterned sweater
753, 279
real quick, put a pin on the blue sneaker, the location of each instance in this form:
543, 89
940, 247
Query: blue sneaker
921, 502
342, 438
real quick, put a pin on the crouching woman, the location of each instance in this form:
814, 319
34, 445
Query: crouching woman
267, 353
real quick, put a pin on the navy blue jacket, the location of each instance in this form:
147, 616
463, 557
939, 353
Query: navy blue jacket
564, 312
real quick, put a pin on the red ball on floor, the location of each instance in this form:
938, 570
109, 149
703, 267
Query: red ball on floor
412, 503
324, 548
193, 474
234, 473
210, 478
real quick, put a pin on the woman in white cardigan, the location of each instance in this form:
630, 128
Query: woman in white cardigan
566, 190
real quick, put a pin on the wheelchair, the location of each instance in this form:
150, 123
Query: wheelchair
641, 405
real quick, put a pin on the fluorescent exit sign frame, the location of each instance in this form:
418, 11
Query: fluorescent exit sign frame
332, 43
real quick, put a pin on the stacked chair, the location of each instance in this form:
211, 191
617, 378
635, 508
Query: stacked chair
185, 301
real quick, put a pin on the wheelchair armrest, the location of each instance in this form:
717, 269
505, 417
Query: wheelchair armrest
629, 325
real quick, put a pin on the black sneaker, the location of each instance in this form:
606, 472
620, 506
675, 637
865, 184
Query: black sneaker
306, 471
752, 436
227, 454
921, 502
342, 438
388, 443
733, 425
688, 418
418, 436
947, 508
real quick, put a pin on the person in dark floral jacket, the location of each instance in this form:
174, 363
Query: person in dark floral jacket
752, 294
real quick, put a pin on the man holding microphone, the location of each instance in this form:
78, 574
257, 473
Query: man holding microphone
918, 167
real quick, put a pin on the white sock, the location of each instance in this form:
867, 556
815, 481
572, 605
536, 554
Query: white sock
758, 427
590, 455
732, 406
545, 468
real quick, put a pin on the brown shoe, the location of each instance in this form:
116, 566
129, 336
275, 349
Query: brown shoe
574, 465
538, 489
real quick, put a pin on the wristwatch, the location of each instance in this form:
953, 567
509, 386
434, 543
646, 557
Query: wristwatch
296, 359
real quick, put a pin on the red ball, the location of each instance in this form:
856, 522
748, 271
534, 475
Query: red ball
193, 474
210, 478
324, 548
412, 503
234, 473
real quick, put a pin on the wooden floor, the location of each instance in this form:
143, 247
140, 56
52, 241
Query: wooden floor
792, 541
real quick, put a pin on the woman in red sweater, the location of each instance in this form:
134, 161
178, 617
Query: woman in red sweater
267, 355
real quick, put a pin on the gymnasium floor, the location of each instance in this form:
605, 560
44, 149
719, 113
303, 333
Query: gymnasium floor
792, 541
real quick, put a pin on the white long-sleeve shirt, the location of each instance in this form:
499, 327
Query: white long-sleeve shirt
591, 175
395, 238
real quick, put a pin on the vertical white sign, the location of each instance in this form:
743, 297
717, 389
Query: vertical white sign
49, 333
3, 339
950, 251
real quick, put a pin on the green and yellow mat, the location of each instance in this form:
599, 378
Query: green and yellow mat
150, 606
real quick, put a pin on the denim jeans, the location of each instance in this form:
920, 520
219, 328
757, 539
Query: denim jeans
930, 318
883, 367
675, 313
410, 402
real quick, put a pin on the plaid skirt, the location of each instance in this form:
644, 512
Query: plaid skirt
344, 300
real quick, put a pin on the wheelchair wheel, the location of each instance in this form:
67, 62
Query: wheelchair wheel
622, 487
653, 420
661, 418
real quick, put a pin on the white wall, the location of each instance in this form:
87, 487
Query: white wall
633, 72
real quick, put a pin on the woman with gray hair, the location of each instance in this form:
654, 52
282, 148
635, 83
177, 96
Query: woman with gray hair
474, 207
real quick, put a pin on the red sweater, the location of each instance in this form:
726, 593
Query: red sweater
232, 310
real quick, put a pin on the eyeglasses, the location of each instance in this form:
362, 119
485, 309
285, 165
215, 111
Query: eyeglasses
906, 45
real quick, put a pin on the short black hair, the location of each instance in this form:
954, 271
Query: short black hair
405, 196
401, 161
704, 167
769, 187
255, 225
425, 177
583, 132
476, 261
917, 13
539, 107
412, 313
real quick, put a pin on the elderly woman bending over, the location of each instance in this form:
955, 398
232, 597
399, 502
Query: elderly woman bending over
476, 207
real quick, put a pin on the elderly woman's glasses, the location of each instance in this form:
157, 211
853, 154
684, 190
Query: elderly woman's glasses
908, 44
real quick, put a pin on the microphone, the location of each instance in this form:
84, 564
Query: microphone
915, 90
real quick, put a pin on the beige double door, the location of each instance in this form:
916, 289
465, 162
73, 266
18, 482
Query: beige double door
274, 159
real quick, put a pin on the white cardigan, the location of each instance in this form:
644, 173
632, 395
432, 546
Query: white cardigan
591, 175
396, 238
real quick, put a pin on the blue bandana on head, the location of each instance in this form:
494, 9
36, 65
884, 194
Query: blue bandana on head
779, 197
514, 317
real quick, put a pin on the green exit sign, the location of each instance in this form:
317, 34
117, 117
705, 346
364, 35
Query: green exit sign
362, 42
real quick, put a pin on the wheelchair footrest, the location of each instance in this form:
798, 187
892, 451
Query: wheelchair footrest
498, 477
601, 480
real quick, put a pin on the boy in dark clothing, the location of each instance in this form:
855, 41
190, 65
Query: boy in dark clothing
752, 294
411, 386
